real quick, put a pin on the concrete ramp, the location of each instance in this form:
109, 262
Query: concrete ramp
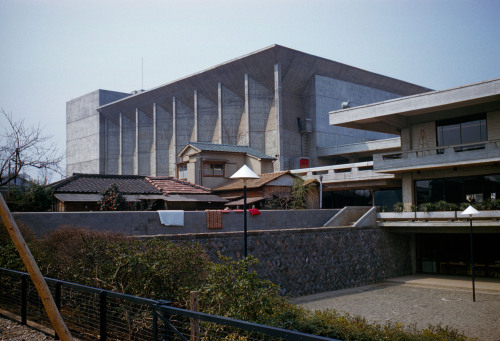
355, 216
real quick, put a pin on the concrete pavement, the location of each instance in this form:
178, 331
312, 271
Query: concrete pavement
421, 300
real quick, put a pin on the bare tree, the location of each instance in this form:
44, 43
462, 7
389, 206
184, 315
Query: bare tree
24, 147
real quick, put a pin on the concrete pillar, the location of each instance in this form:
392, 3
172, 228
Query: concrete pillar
220, 113
408, 190
195, 125
247, 140
154, 145
120, 147
112, 141
103, 152
278, 165
406, 144
173, 146
136, 151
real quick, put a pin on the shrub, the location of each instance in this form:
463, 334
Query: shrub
9, 257
149, 268
398, 207
112, 199
232, 289
32, 198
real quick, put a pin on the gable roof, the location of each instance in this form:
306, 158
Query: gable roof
98, 183
253, 183
228, 148
169, 185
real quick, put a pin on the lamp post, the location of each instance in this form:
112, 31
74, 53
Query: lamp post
245, 173
470, 211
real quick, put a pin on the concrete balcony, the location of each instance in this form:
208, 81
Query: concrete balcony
349, 176
438, 157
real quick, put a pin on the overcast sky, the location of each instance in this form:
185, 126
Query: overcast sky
54, 51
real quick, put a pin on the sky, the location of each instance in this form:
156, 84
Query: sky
52, 51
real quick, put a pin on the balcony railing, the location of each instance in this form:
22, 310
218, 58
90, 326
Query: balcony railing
346, 172
433, 157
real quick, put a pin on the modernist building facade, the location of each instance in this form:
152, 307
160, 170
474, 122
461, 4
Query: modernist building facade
450, 142
275, 101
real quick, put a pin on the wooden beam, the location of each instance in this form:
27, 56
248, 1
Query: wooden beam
35, 274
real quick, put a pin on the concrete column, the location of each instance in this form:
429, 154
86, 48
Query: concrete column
247, 111
408, 190
279, 115
406, 139
136, 151
219, 105
173, 156
120, 147
154, 146
195, 125
103, 159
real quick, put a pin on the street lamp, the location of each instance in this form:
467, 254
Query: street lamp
471, 211
245, 173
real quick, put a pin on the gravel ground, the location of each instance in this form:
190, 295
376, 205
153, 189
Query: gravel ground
417, 305
14, 331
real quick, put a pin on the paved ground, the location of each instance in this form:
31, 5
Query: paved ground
421, 300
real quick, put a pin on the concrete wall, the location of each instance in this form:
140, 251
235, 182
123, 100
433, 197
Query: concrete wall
85, 144
329, 95
148, 223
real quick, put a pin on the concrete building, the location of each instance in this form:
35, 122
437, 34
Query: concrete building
275, 101
450, 142
450, 150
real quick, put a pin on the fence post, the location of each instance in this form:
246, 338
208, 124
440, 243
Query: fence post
57, 299
102, 315
155, 322
195, 324
24, 298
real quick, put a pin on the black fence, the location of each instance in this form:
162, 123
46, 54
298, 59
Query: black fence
95, 314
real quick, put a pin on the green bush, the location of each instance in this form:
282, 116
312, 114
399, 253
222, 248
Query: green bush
398, 207
149, 268
32, 198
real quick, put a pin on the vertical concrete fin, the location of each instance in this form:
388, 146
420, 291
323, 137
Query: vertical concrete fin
248, 139
195, 125
220, 117
120, 147
136, 148
154, 145
279, 115
173, 155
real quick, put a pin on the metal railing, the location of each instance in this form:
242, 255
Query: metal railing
96, 314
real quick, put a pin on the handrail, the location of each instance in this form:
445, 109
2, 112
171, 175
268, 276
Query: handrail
437, 148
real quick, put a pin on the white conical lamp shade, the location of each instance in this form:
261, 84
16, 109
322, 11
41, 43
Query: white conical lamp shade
470, 211
244, 173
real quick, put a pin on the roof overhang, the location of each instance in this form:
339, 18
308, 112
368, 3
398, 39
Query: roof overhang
394, 115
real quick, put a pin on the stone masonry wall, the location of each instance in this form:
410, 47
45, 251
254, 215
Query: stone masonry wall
308, 261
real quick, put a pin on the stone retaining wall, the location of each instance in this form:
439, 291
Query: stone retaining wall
308, 261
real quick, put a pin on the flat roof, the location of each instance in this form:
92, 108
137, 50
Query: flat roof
393, 115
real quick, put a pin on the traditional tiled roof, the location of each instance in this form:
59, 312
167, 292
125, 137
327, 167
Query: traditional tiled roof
169, 185
252, 183
229, 148
98, 183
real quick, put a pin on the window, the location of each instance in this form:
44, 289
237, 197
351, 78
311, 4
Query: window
213, 168
182, 171
464, 130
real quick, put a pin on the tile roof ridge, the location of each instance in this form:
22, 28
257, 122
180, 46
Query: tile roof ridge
185, 182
